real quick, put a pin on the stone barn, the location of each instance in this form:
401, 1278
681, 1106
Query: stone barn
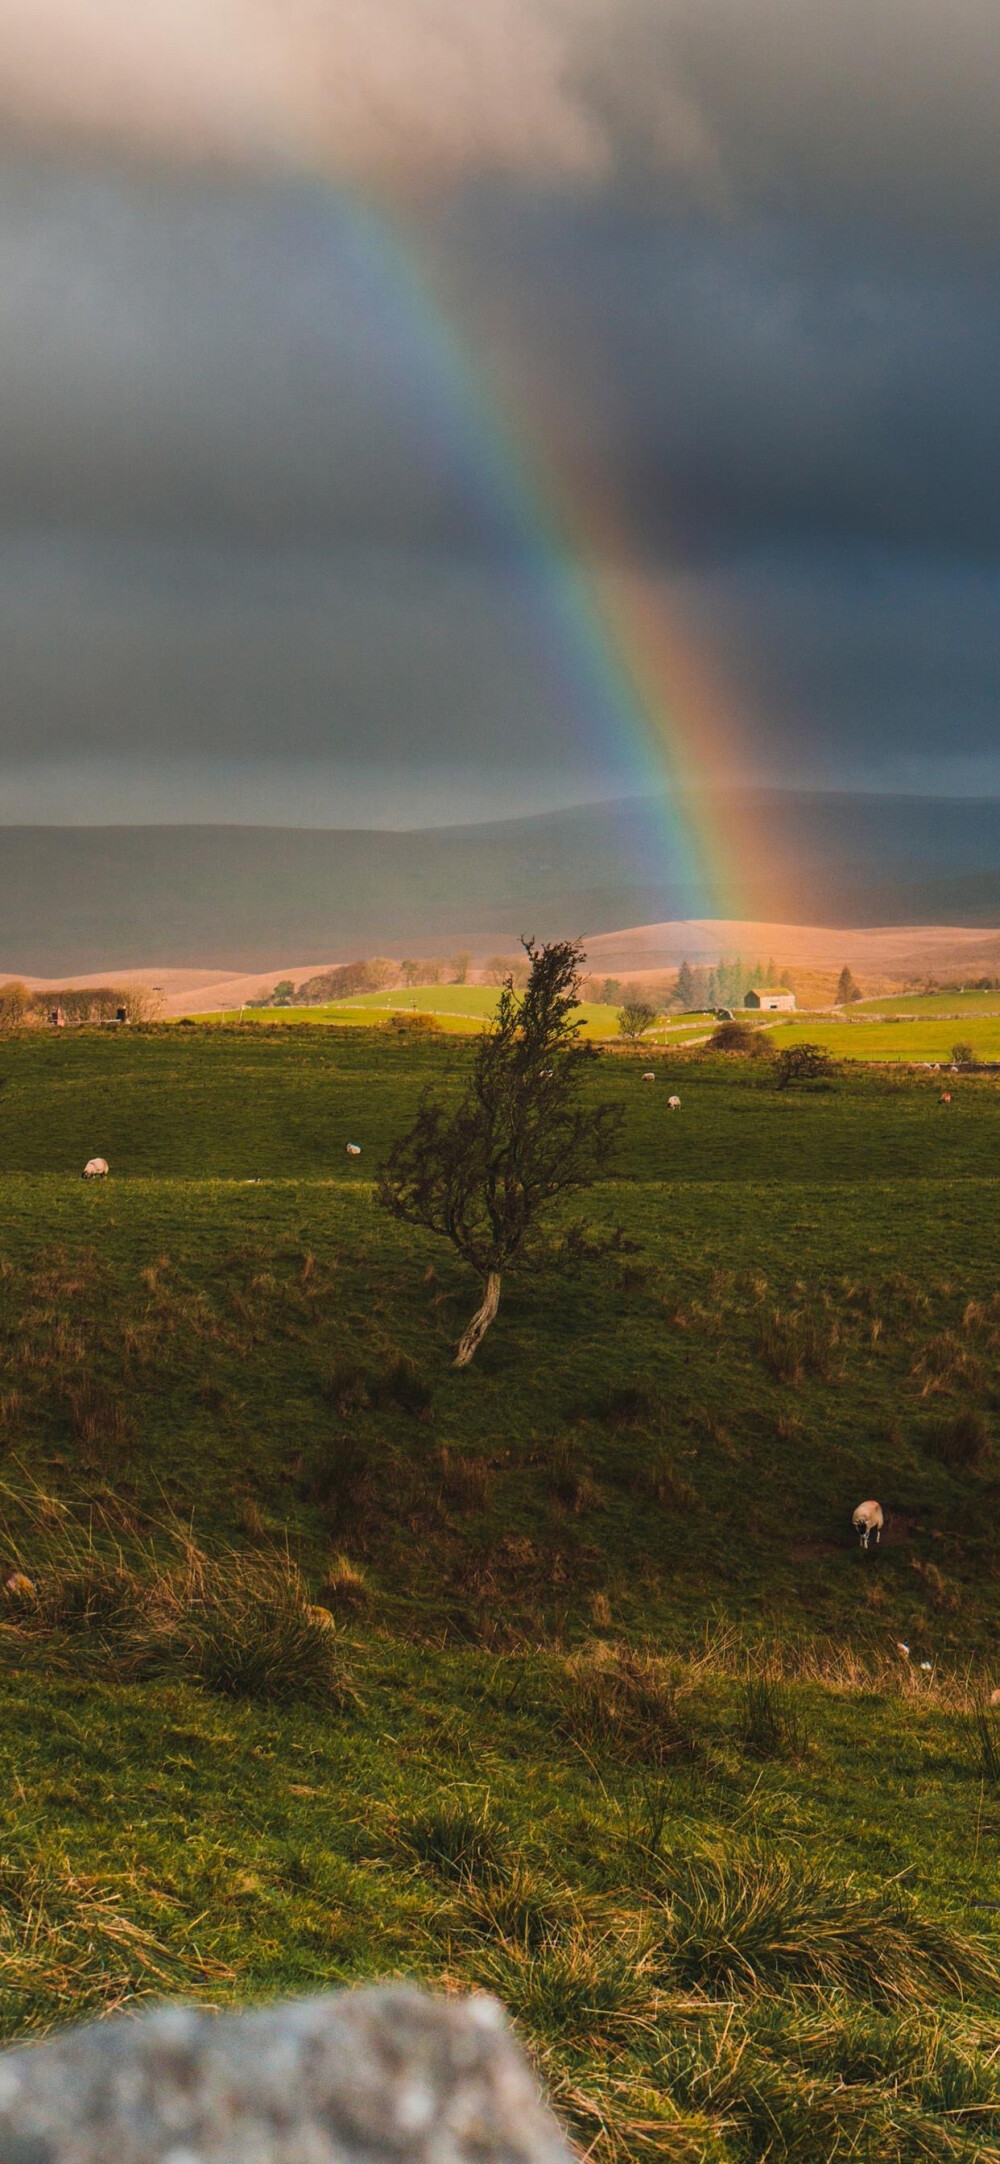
770, 999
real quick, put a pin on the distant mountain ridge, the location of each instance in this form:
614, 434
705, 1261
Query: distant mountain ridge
75, 899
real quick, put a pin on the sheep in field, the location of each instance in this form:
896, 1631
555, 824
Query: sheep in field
673, 1104
354, 1149
96, 1168
867, 1520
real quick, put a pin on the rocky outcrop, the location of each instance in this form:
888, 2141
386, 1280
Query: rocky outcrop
386, 2076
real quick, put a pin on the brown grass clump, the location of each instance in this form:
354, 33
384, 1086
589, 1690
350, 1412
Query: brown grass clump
795, 1345
245, 1626
345, 1589
618, 1701
961, 1444
242, 1625
739, 1922
466, 1482
97, 1415
66, 1940
947, 1363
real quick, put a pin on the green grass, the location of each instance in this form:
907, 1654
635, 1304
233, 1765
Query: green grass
461, 1009
611, 1717
914, 1006
902, 1039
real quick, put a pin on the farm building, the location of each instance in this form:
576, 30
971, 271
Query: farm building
771, 999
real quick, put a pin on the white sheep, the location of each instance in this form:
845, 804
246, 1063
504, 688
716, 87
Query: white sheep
96, 1168
649, 1076
673, 1104
354, 1149
867, 1520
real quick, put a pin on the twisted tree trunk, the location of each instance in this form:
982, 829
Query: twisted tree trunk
473, 1337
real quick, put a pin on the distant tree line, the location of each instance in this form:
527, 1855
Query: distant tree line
20, 1008
378, 973
725, 984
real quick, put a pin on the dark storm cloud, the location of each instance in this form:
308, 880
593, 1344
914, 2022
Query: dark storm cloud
752, 388
729, 259
189, 358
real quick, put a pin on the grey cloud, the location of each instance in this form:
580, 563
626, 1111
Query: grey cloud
740, 394
204, 357
839, 111
377, 661
830, 109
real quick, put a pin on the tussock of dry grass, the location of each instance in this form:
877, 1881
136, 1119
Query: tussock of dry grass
242, 1625
67, 1940
744, 1922
627, 1704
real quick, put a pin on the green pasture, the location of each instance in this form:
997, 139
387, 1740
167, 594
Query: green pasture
917, 1006
901, 1039
461, 1009
554, 1577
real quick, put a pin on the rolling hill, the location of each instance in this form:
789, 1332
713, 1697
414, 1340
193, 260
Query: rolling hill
93, 899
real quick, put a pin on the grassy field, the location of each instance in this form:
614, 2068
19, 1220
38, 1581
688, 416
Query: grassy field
911, 1006
901, 1039
612, 1719
460, 1009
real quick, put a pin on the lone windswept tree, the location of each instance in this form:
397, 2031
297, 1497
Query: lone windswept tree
635, 1017
521, 1138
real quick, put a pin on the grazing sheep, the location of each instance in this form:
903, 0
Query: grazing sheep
945, 1097
96, 1168
867, 1520
649, 1076
354, 1149
673, 1104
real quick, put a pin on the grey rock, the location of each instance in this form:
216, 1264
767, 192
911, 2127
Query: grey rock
387, 2076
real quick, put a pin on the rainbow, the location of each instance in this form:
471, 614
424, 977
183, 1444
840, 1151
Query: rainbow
605, 633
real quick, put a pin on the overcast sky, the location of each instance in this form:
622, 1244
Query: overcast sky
289, 287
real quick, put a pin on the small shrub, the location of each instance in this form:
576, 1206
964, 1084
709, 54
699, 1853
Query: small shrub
465, 1481
963, 1054
742, 1041
515, 1905
97, 1415
96, 1596
770, 1724
414, 1023
667, 1486
339, 1479
569, 1479
573, 1986
803, 1063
